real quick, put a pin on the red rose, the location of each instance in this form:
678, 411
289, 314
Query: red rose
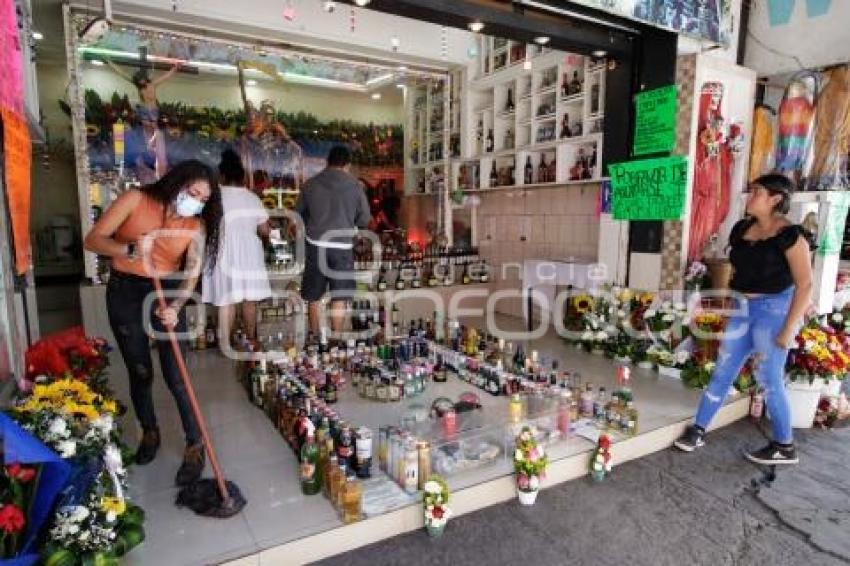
12, 519
437, 512
20, 473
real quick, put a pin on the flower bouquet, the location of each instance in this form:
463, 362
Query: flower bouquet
17, 490
696, 277
600, 462
820, 353
530, 463
435, 501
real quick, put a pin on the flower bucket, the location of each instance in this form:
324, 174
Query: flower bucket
832, 388
597, 475
435, 532
667, 371
529, 497
803, 398
720, 271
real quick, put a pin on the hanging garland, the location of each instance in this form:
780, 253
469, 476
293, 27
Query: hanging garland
371, 144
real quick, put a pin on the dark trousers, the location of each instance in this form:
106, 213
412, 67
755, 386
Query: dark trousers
125, 301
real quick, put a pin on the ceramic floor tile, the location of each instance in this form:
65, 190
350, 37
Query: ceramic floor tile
254, 455
178, 536
277, 511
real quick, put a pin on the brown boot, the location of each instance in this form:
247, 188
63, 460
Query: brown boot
148, 446
194, 460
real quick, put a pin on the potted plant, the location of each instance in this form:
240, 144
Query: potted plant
530, 463
435, 506
600, 461
819, 358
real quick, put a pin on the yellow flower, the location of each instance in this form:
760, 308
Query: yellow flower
110, 406
646, 299
626, 295
113, 505
583, 303
78, 410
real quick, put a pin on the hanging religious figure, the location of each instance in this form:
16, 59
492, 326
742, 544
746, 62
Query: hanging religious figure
712, 171
147, 153
266, 146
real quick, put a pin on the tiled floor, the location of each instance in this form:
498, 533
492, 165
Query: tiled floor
257, 459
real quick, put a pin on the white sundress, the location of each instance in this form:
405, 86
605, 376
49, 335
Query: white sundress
240, 272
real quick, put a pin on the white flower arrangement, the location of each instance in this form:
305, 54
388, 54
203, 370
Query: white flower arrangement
435, 501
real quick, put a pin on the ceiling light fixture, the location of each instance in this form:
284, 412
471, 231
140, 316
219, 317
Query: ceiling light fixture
376, 96
37, 35
599, 53
541, 39
375, 80
251, 82
97, 62
476, 26
362, 3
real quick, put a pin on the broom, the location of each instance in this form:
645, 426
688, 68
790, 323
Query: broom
201, 496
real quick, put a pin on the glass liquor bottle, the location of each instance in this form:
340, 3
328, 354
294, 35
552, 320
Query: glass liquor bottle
565, 126
491, 141
575, 84
587, 401
494, 176
331, 470
352, 500
382, 279
311, 482
529, 171
600, 405
509, 104
541, 169
563, 419
565, 86
210, 333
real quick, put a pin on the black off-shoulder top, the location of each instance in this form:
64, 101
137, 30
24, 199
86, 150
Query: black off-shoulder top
760, 266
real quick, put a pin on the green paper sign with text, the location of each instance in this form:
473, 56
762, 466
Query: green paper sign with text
655, 121
650, 189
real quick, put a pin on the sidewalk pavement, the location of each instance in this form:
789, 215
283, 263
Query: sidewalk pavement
669, 508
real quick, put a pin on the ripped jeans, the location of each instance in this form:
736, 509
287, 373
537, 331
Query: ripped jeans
125, 301
753, 332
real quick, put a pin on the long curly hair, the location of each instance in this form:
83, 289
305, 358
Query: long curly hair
166, 189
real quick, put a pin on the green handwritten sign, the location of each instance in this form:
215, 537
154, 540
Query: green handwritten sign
649, 189
655, 121
832, 235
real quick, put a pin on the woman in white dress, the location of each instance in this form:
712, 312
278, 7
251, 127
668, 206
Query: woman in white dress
239, 277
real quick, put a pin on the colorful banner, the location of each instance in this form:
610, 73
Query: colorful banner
16, 144
832, 235
650, 189
705, 19
655, 121
11, 85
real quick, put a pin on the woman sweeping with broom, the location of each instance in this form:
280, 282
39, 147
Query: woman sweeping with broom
149, 233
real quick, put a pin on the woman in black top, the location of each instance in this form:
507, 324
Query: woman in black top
772, 282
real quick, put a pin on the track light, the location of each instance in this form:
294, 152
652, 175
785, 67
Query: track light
476, 26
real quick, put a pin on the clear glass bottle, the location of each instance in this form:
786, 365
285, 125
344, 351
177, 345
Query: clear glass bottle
587, 401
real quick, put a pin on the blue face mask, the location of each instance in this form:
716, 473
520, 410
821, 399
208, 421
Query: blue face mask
186, 205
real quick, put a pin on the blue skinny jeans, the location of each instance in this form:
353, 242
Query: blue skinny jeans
753, 331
